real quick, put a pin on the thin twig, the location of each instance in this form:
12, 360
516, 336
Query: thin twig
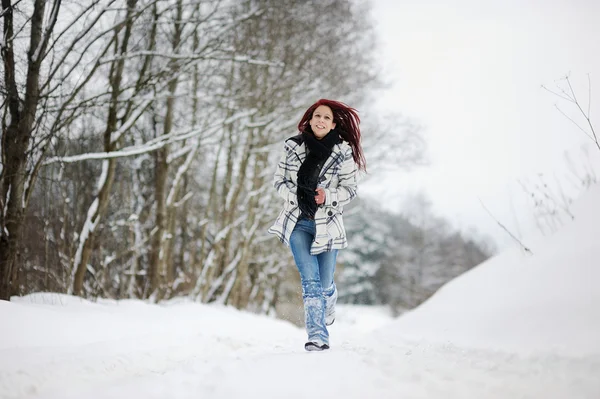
575, 123
504, 228
571, 97
556, 94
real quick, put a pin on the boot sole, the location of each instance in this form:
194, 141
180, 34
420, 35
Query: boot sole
312, 347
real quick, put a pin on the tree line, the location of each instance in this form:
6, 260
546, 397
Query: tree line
402, 258
138, 139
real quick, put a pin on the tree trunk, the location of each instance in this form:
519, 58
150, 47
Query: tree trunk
17, 135
88, 234
98, 208
160, 278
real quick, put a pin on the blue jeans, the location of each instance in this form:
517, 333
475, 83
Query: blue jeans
316, 274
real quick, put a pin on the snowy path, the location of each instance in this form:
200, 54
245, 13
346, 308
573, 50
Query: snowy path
238, 365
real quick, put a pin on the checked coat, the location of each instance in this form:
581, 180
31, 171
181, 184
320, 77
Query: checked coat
337, 178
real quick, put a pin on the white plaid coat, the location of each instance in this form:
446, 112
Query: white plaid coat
337, 178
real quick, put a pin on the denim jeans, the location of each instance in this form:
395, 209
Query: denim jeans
316, 273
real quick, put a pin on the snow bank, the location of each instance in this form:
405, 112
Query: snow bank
360, 319
548, 302
58, 344
68, 321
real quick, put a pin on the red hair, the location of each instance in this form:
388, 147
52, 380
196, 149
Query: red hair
346, 123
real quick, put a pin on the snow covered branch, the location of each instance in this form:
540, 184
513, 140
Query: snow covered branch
150, 146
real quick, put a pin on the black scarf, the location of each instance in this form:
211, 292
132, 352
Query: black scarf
317, 152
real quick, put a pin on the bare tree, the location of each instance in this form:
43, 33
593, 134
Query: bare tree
20, 116
114, 127
161, 122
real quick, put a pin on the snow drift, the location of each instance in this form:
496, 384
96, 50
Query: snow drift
544, 302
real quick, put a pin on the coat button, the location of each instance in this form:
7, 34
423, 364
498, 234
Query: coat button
334, 203
329, 213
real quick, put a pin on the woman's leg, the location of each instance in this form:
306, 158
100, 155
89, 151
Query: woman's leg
326, 271
312, 291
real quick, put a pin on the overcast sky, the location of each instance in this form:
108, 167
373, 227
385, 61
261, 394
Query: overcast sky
470, 72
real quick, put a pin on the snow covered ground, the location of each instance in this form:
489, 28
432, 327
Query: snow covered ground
517, 326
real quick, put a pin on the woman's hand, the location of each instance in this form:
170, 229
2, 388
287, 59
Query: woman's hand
320, 197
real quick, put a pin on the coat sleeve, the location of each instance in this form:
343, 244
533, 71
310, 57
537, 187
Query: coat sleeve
347, 187
285, 186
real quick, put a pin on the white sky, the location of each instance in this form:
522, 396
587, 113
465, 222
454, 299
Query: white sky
470, 72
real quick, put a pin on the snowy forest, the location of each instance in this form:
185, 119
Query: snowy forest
139, 139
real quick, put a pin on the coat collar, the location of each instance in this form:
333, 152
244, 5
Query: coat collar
296, 145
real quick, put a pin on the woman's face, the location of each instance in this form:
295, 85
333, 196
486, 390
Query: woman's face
322, 121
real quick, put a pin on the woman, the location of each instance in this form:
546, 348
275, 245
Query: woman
316, 176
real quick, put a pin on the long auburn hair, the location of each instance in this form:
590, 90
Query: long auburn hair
346, 123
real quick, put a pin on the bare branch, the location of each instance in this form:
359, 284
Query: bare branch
557, 94
190, 57
150, 146
573, 121
571, 97
505, 229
